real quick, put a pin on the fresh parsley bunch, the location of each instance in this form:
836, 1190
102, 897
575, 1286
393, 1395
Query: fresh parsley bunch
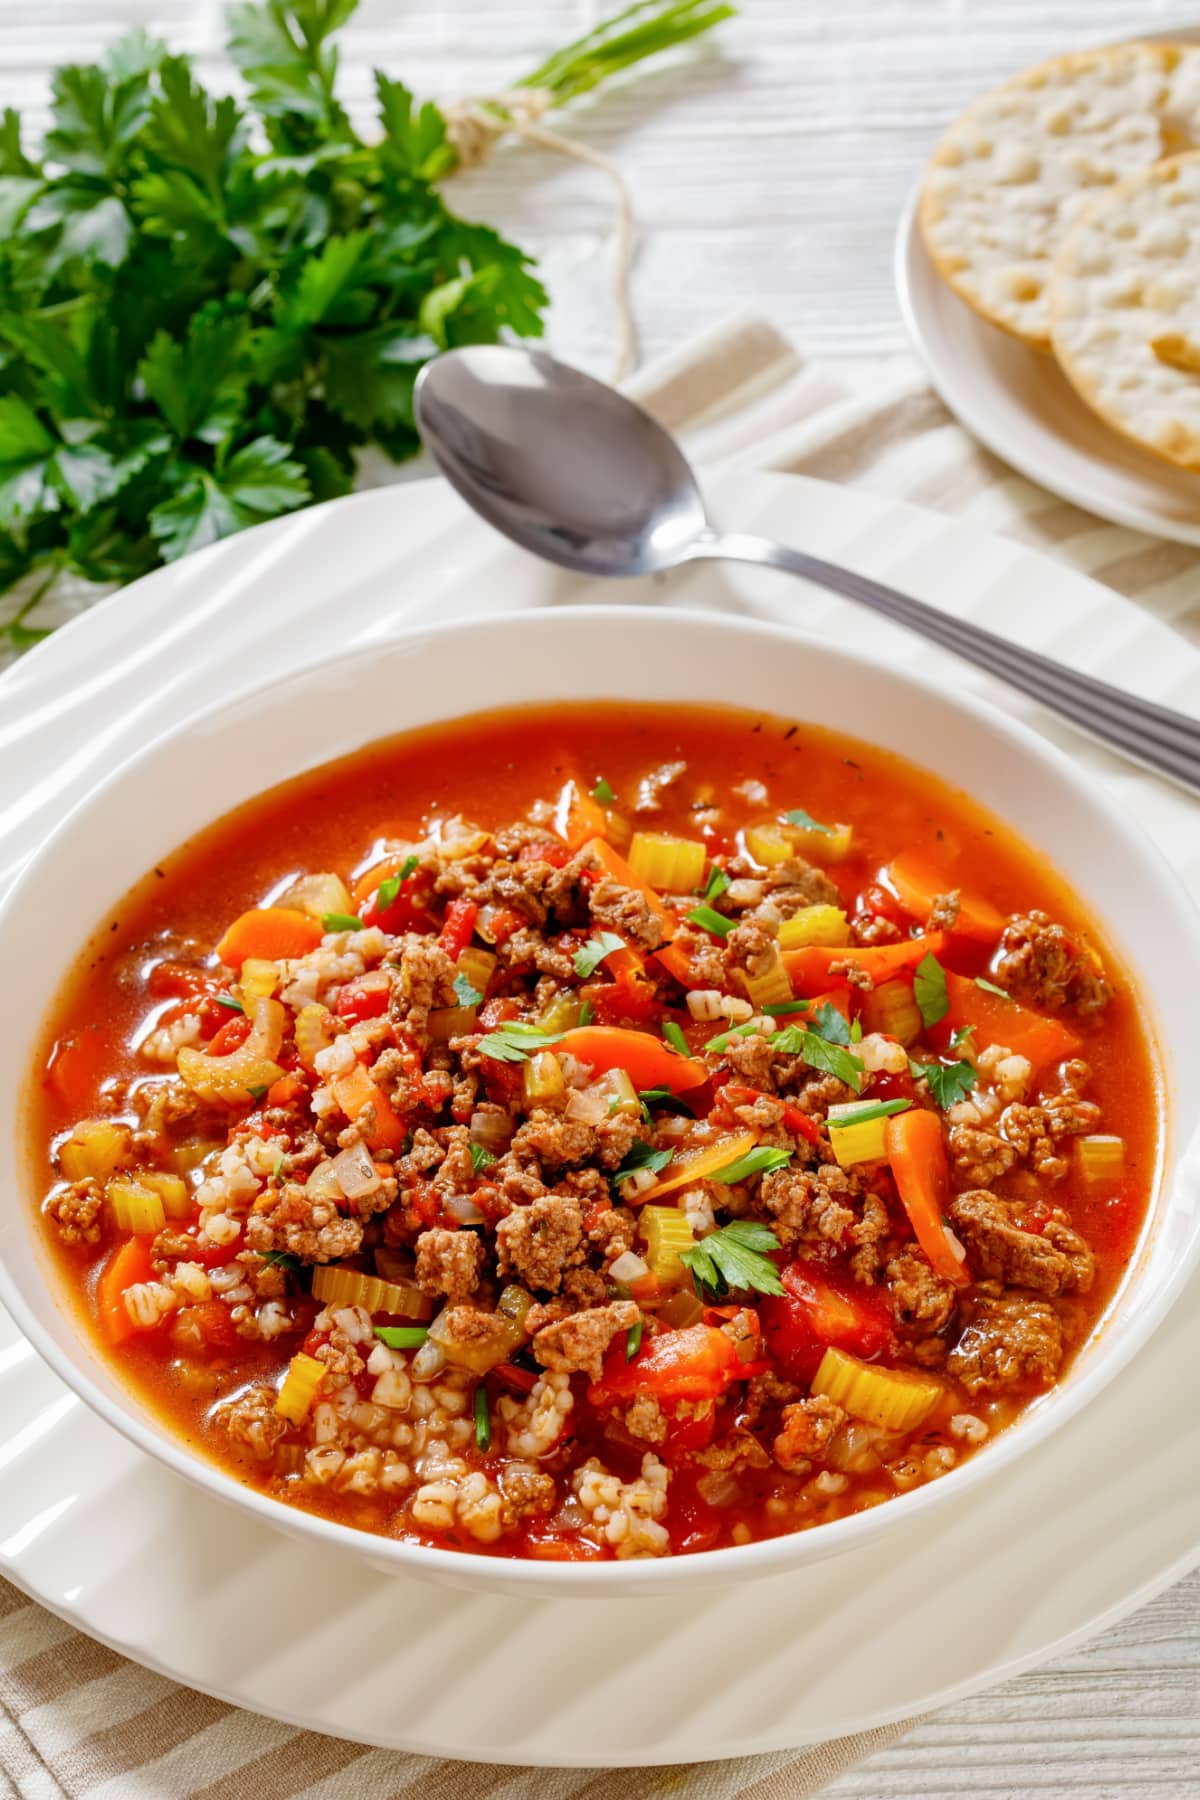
208, 307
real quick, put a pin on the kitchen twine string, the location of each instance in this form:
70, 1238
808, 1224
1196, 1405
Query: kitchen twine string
475, 126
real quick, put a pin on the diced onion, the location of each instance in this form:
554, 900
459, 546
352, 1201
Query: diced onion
323, 1183
317, 895
629, 1267
492, 1129
462, 1208
355, 1172
589, 1105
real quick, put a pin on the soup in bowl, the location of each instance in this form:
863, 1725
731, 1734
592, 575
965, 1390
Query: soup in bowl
603, 1134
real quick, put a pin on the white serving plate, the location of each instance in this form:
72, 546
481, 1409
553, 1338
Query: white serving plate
1018, 403
826, 1650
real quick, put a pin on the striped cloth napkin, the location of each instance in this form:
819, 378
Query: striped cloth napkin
77, 1719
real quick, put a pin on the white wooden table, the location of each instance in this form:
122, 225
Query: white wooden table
768, 171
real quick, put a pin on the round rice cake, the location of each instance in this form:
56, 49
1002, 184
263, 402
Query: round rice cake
1125, 308
1008, 179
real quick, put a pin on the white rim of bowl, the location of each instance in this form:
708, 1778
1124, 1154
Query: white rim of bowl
791, 1550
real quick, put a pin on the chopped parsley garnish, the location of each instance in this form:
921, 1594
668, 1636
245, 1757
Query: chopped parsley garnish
633, 1338
387, 890
483, 1419
989, 987
734, 1259
948, 1082
673, 1033
806, 822
641, 1155
402, 1337
587, 1013
962, 1036
716, 884
256, 1093
516, 1042
464, 993
929, 990
819, 1053
277, 1171
481, 1158
862, 1115
603, 792
755, 1162
340, 922
588, 960
229, 1000
830, 1024
282, 1259
709, 920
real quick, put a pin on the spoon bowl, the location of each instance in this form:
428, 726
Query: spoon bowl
562, 464
574, 472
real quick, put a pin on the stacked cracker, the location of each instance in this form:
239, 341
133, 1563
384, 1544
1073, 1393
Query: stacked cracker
1064, 207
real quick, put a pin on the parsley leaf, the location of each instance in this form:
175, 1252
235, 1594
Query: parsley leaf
481, 1158
282, 1259
989, 987
209, 305
514, 1043
755, 1162
593, 953
819, 1053
948, 1082
716, 884
929, 990
962, 1036
710, 920
805, 821
464, 993
662, 1099
735, 1259
830, 1024
641, 1155
603, 792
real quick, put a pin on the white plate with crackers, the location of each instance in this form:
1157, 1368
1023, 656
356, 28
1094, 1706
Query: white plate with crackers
1048, 270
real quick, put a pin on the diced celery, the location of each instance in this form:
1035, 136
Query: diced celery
172, 1190
892, 1399
477, 966
773, 987
349, 1287
258, 980
94, 1150
562, 1014
315, 1030
619, 1093
891, 1009
317, 895
134, 1207
856, 1143
826, 925
1101, 1157
544, 1081
300, 1387
673, 865
514, 1303
683, 1308
447, 1022
493, 1341
667, 1231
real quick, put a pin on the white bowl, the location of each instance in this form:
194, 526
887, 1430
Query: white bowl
189, 777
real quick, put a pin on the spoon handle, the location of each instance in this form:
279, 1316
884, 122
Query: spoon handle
1167, 742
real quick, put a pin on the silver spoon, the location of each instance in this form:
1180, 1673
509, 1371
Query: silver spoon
573, 471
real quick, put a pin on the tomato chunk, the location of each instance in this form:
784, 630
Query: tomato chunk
696, 1363
822, 1306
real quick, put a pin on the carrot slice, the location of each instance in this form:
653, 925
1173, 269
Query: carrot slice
996, 1021
128, 1264
646, 1060
916, 883
354, 1092
810, 967
699, 1164
917, 1154
270, 932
